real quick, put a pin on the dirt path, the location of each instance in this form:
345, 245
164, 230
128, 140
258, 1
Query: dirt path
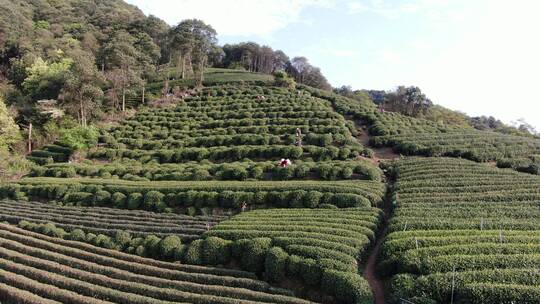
384, 153
370, 268
370, 271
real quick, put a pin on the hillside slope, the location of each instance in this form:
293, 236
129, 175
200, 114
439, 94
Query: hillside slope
211, 156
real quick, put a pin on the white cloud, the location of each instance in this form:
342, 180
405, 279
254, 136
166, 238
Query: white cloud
493, 69
390, 57
391, 10
235, 17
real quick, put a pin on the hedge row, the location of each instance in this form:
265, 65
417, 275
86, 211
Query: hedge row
176, 133
51, 153
162, 196
230, 171
485, 286
254, 255
169, 248
321, 140
107, 221
230, 153
416, 136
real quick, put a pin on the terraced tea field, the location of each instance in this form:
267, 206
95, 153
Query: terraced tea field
192, 204
109, 221
42, 269
232, 123
411, 137
463, 232
199, 183
416, 136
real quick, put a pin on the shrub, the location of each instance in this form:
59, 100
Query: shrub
345, 200
293, 265
104, 241
140, 250
310, 271
344, 153
346, 173
102, 197
238, 248
134, 200
281, 173
324, 171
178, 253
77, 235
254, 255
347, 287
90, 237
152, 199
296, 198
122, 238
275, 264
79, 137
168, 245
216, 251
402, 286
256, 172
79, 197
301, 171
312, 199
191, 211
67, 172
151, 243
119, 200
193, 254
27, 225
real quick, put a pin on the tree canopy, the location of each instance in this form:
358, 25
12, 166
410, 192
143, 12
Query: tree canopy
9, 131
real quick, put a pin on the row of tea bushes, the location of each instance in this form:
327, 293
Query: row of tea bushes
463, 231
56, 152
529, 164
164, 196
73, 272
234, 153
109, 221
475, 145
335, 170
140, 132
137, 141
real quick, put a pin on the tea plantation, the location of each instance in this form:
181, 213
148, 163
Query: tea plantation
463, 232
159, 182
246, 192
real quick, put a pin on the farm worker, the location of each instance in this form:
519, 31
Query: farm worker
243, 206
284, 163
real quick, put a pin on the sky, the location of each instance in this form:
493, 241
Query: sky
481, 57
